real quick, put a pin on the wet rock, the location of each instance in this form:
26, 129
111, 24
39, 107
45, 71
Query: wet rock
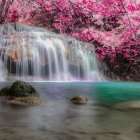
21, 93
5, 91
19, 89
79, 99
128, 105
26, 101
23, 89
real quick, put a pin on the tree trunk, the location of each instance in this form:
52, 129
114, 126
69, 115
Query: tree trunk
2, 4
4, 9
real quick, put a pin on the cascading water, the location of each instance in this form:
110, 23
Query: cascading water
31, 53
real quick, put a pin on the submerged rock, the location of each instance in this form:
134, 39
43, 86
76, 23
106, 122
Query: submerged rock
79, 99
26, 101
128, 105
21, 93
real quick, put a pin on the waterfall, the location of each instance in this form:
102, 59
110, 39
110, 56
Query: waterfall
33, 54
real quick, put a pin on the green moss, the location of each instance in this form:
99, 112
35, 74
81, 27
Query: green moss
19, 89
27, 101
23, 89
5, 91
21, 93
79, 99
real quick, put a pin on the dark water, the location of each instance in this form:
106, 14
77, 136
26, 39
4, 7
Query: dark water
59, 119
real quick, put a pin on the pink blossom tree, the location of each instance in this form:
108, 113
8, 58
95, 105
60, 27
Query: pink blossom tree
104, 23
4, 9
109, 22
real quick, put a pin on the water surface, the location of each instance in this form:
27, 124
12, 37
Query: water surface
59, 119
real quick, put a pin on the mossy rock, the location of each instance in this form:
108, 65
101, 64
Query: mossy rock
23, 89
21, 93
26, 101
79, 99
19, 89
5, 91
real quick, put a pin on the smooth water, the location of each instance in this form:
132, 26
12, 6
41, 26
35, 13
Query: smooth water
35, 54
59, 119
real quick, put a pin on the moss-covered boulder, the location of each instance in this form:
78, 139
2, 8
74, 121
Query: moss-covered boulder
23, 89
5, 91
79, 99
19, 89
21, 93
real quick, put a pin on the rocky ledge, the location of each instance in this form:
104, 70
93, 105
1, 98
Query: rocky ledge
21, 93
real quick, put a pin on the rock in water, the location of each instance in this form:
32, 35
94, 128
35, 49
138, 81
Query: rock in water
23, 89
128, 105
79, 99
5, 91
26, 101
21, 93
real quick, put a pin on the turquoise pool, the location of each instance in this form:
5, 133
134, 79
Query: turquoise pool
59, 119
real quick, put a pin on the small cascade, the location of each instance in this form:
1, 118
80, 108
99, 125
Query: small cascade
3, 72
33, 54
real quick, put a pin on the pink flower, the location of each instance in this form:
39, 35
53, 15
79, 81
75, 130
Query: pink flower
131, 8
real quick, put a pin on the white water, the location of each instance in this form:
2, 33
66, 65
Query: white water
32, 54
